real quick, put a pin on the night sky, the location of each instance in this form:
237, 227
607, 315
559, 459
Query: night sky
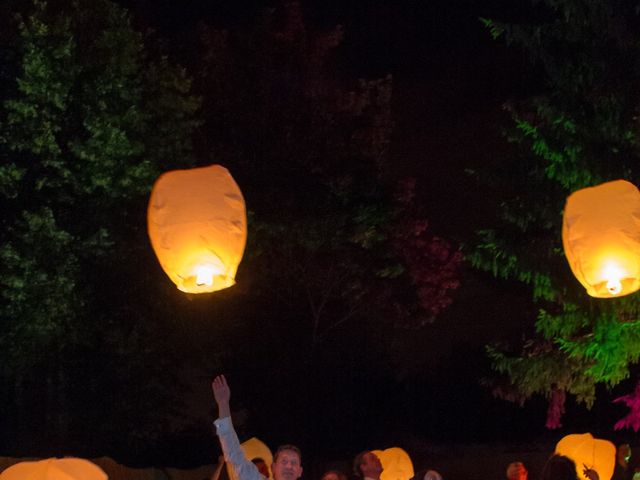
450, 81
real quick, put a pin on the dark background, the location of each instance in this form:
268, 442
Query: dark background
450, 82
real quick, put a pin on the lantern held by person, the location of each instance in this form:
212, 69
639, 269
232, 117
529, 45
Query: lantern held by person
255, 450
197, 224
589, 453
396, 464
601, 238
54, 469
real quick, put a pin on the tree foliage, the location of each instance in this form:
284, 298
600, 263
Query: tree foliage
339, 257
331, 239
86, 124
90, 115
581, 129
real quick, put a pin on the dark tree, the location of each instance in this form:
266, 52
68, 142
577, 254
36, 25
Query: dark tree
87, 121
339, 258
581, 129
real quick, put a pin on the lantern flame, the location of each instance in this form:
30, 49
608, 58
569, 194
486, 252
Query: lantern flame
614, 287
613, 275
204, 276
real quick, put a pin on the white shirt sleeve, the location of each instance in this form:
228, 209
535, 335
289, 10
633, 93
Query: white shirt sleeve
233, 454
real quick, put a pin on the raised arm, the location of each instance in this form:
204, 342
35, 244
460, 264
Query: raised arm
240, 467
222, 394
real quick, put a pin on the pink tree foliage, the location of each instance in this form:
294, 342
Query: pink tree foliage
555, 409
432, 263
632, 419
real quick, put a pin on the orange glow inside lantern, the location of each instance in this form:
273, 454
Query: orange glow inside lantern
588, 452
601, 238
198, 228
396, 464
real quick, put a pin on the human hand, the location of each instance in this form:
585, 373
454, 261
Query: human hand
221, 390
590, 473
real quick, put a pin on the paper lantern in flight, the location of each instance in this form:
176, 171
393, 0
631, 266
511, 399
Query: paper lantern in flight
601, 238
396, 464
589, 453
197, 224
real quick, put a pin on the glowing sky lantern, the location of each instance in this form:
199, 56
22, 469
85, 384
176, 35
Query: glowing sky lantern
601, 238
396, 464
588, 452
198, 227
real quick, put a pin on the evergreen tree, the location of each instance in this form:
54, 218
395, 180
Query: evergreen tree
581, 130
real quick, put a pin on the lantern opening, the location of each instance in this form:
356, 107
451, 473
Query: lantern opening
204, 272
204, 276
613, 275
614, 287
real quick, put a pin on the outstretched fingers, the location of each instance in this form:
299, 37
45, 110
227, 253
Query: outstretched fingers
221, 391
219, 382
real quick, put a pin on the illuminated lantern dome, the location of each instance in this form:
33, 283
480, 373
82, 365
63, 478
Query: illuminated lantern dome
55, 469
396, 464
588, 452
601, 238
198, 227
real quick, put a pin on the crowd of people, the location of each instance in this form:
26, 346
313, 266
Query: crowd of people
287, 460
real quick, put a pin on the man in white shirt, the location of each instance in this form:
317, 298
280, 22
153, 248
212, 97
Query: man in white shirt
367, 466
287, 461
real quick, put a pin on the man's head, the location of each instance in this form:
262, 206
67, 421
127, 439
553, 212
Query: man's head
624, 454
516, 471
287, 463
367, 464
432, 475
333, 475
559, 467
